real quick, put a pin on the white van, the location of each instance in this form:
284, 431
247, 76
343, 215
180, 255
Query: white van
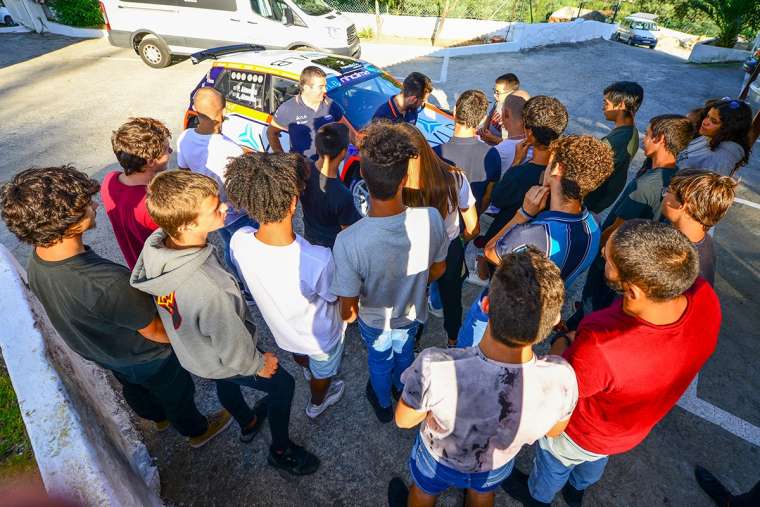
158, 29
638, 30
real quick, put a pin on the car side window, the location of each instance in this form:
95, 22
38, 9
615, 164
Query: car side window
282, 90
217, 5
243, 87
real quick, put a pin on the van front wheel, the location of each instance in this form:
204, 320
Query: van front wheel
154, 52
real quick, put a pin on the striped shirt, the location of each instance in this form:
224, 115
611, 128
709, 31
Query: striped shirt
571, 241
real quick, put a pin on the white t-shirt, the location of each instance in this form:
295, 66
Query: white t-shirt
482, 412
208, 154
291, 287
465, 200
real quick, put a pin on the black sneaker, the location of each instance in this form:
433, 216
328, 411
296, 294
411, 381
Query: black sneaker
573, 497
260, 410
398, 493
516, 486
712, 486
384, 414
295, 460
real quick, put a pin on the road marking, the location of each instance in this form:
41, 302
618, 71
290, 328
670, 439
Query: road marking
747, 203
709, 412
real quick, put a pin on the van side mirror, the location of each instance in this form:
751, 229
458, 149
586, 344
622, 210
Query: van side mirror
289, 20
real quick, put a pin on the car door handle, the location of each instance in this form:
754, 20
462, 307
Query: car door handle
252, 22
235, 19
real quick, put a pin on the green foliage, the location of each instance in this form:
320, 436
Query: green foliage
366, 33
731, 16
85, 13
15, 449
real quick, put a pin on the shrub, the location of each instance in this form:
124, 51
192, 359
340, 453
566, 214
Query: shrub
84, 13
366, 33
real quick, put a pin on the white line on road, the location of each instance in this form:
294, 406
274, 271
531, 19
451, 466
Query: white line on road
747, 203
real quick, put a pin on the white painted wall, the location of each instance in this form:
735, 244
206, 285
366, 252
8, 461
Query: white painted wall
31, 15
84, 442
705, 53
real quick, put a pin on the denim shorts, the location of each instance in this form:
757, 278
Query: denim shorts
434, 478
326, 365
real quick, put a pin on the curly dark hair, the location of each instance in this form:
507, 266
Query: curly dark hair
138, 141
546, 117
655, 257
526, 297
264, 184
587, 162
385, 150
41, 205
735, 124
471, 108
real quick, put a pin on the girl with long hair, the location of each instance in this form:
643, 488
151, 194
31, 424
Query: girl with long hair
431, 182
722, 144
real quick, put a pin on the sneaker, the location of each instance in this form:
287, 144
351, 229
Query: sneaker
162, 426
334, 394
573, 497
306, 373
261, 409
516, 486
398, 493
217, 423
438, 312
712, 486
295, 460
384, 414
474, 279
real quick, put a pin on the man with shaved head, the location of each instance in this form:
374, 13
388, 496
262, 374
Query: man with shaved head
205, 150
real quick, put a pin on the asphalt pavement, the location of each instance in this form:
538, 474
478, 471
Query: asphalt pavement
60, 99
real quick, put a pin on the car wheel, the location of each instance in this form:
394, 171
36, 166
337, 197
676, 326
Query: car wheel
653, 46
8, 21
615, 37
154, 52
303, 48
630, 42
360, 192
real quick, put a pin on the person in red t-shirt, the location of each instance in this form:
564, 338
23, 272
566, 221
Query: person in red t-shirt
141, 146
633, 360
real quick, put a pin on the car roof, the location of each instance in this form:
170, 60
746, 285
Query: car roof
286, 62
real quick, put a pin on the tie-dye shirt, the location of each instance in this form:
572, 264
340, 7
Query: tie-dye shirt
480, 411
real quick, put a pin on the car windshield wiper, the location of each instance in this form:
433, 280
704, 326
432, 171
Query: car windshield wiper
215, 53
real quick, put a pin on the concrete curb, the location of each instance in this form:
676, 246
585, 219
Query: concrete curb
86, 447
72, 31
706, 53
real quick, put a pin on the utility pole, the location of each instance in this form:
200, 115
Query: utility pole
615, 13
530, 6
579, 9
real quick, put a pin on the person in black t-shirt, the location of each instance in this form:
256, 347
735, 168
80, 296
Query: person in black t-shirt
92, 306
328, 206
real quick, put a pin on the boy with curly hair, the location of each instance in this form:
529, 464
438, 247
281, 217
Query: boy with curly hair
205, 315
90, 303
288, 277
141, 146
384, 262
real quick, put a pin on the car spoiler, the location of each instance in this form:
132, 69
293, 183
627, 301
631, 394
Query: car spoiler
215, 53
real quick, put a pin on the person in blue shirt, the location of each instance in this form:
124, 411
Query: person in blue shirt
302, 115
405, 106
566, 232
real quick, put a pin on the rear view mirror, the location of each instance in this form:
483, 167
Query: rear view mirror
288, 14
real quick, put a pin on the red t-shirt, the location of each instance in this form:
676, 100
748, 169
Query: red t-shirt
630, 372
125, 206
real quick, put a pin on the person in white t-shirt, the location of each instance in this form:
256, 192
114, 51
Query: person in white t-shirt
431, 182
205, 150
288, 277
479, 406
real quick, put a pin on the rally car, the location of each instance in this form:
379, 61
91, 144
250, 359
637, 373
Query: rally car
256, 81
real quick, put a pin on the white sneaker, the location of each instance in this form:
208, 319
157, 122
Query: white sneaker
334, 394
474, 279
437, 312
306, 374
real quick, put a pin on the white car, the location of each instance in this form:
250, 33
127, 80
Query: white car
637, 31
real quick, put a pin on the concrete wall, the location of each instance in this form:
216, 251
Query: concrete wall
84, 442
705, 53
31, 15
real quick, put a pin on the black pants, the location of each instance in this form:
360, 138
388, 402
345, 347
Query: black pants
450, 288
596, 295
279, 398
161, 390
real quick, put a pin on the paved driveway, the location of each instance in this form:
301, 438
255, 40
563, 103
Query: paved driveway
60, 99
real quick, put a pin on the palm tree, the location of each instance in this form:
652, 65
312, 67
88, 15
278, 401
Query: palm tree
731, 16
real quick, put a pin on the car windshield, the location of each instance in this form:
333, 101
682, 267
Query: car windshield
360, 98
313, 7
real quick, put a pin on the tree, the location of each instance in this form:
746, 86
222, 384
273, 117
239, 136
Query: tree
731, 17
444, 7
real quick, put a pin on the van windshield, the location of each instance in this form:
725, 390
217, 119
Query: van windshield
638, 25
313, 7
360, 98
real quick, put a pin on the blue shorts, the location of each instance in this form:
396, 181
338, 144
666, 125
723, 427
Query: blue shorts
434, 478
326, 365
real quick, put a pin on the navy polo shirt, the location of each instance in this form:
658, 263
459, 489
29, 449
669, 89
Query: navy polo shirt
302, 122
388, 110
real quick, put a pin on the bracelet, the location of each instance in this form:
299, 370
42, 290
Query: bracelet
526, 214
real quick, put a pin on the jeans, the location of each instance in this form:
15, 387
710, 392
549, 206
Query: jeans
225, 233
279, 389
549, 475
475, 323
161, 390
450, 288
389, 353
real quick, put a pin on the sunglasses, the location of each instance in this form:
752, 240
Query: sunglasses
733, 103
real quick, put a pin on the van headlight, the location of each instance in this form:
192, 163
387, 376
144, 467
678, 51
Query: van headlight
336, 33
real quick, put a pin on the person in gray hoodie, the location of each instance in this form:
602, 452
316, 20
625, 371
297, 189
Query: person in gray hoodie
205, 315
